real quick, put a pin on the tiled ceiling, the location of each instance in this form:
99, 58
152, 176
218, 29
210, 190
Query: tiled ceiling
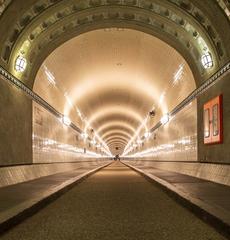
114, 77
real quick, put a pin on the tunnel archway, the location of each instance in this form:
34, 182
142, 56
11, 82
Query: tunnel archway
44, 25
40, 27
136, 84
116, 75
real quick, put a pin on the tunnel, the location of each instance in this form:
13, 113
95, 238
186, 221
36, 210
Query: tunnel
115, 119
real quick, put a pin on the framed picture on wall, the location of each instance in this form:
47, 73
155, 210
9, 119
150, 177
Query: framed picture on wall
213, 121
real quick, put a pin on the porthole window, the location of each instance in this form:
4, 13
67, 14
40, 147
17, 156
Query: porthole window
20, 64
206, 60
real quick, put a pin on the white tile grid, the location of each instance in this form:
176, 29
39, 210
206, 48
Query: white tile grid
177, 140
54, 142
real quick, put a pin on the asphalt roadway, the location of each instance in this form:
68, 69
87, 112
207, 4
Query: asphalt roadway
116, 203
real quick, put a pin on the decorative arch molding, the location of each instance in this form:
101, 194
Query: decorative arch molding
120, 140
115, 144
117, 149
41, 27
121, 118
115, 124
114, 133
113, 141
116, 136
117, 128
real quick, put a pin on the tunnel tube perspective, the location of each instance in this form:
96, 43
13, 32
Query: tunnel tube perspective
110, 88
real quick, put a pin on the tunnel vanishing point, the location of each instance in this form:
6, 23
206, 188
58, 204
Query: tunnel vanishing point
115, 119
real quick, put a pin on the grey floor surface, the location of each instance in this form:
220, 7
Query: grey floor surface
115, 203
214, 194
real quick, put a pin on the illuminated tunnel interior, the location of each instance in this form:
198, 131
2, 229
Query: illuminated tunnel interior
107, 82
113, 88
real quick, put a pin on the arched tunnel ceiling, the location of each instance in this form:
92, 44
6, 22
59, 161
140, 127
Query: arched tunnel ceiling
117, 57
114, 77
35, 28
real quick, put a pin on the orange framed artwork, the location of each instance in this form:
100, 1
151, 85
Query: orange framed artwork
213, 121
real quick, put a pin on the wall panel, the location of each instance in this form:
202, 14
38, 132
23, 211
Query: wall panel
15, 126
175, 141
55, 142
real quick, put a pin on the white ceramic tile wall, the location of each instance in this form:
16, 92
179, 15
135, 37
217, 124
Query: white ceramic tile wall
55, 142
175, 141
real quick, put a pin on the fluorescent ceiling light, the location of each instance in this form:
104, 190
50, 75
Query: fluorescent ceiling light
165, 119
162, 97
178, 74
50, 76
84, 135
147, 134
66, 120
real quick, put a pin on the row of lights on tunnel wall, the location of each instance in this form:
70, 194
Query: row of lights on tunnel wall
207, 63
21, 64
164, 120
66, 121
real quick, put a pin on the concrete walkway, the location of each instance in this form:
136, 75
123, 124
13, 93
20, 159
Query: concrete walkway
211, 200
115, 203
21, 200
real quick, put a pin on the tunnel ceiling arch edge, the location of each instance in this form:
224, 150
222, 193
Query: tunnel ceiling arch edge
44, 26
182, 23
